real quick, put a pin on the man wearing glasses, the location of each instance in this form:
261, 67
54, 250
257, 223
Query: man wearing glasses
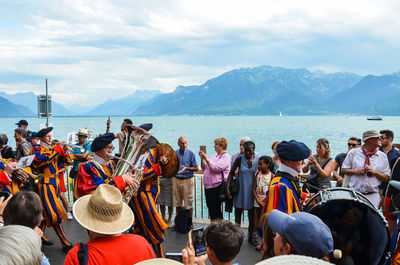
392, 154
100, 169
351, 143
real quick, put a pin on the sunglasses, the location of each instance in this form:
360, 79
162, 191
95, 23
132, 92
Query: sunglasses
382, 138
353, 145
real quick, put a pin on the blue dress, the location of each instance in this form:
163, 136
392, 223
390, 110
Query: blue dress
244, 199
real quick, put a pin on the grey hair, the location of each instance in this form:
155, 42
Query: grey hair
20, 245
245, 139
21, 131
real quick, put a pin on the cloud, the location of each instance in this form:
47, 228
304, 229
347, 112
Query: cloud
108, 49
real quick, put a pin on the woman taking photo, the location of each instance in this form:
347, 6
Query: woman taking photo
321, 166
216, 168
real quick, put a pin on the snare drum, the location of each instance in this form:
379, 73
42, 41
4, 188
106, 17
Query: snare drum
359, 230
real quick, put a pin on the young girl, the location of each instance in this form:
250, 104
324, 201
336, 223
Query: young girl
261, 182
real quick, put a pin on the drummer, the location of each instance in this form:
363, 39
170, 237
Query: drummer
100, 170
284, 193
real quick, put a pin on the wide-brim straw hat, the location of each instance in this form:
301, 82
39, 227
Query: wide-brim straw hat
103, 211
293, 259
83, 132
159, 261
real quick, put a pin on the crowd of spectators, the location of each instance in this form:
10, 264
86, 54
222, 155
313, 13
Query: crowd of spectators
246, 181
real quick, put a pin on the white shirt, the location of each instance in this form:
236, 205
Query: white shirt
355, 159
286, 169
100, 160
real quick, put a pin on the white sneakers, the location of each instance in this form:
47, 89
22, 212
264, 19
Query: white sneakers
69, 216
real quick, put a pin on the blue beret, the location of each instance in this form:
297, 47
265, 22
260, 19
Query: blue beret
146, 126
102, 141
44, 131
293, 150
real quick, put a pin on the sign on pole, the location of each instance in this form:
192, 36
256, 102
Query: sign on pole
41, 103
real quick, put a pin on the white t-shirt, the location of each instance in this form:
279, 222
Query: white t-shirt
262, 184
355, 159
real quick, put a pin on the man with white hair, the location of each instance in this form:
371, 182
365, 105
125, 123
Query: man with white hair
241, 148
20, 245
367, 167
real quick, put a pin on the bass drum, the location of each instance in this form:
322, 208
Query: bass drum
359, 230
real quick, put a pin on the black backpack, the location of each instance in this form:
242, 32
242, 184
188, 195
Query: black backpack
182, 221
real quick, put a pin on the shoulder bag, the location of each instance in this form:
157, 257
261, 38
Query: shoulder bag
234, 185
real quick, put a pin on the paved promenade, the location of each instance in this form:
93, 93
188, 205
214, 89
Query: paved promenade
174, 242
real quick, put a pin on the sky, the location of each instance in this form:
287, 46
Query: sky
92, 51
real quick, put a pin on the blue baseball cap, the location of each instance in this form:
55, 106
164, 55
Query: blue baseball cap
293, 150
306, 233
30, 135
22, 122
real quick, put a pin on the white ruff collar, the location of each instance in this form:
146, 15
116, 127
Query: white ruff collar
45, 145
100, 160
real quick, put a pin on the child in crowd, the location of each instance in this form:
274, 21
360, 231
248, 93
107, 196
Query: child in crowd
262, 179
267, 238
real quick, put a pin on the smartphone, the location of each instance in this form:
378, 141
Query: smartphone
174, 256
196, 240
203, 148
4, 194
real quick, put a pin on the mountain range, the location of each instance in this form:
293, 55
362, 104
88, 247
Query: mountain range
262, 90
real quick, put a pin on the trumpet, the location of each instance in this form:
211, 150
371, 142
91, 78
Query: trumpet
71, 146
22, 177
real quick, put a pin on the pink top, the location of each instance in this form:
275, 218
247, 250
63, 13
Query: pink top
212, 171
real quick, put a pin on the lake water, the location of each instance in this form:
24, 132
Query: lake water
202, 130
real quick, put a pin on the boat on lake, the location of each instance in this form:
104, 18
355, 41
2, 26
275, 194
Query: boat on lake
375, 118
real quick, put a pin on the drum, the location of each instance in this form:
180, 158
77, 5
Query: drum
359, 230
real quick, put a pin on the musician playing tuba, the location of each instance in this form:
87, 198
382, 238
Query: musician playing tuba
148, 221
100, 170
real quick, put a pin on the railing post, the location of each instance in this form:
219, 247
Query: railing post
202, 210
195, 196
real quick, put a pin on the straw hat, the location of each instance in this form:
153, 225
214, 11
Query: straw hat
293, 259
159, 261
103, 212
83, 132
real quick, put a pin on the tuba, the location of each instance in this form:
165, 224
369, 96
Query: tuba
133, 157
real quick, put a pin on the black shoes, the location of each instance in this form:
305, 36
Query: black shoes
67, 248
47, 242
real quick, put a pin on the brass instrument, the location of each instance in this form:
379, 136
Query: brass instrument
139, 172
137, 143
36, 178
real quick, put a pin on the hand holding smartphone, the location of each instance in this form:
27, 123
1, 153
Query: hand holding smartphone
196, 240
203, 148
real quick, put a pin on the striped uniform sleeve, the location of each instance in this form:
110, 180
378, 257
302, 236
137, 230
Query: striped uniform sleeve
4, 178
281, 197
89, 179
46, 157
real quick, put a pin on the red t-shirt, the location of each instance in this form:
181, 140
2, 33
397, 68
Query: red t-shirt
123, 249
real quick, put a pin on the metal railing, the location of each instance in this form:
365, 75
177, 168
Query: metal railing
199, 208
